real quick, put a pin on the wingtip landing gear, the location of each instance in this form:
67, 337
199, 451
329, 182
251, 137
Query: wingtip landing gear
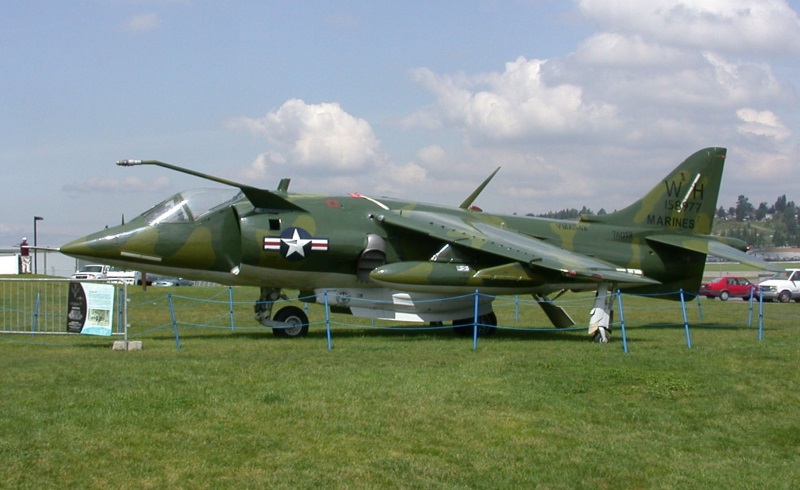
601, 335
601, 314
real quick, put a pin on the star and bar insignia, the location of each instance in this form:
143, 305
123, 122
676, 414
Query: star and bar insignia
295, 243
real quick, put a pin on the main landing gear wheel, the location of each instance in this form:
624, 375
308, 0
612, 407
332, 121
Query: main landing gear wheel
295, 318
487, 325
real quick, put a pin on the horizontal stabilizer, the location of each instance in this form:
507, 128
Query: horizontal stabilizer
710, 246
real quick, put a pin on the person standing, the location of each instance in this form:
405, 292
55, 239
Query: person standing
24, 257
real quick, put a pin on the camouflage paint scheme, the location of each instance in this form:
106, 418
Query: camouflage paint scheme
354, 247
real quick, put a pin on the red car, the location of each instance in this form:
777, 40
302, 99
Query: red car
727, 287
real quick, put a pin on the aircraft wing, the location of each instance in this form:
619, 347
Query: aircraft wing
491, 239
710, 246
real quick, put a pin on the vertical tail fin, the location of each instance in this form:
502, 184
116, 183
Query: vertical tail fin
685, 200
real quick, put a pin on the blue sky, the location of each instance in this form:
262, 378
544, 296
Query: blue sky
587, 102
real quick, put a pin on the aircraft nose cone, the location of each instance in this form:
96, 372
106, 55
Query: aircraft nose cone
105, 244
75, 247
89, 247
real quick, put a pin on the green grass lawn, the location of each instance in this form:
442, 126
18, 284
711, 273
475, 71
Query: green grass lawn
383, 408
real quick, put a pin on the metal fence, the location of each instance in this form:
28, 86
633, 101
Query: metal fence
41, 306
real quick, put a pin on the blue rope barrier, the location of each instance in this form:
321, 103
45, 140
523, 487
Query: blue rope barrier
479, 300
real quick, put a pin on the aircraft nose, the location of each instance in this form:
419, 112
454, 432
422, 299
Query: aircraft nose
101, 245
87, 246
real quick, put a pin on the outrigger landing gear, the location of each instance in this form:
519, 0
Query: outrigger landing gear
288, 322
601, 315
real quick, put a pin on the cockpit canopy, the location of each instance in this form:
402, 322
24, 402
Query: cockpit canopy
191, 205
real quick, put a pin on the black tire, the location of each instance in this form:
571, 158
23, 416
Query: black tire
296, 318
724, 295
464, 327
784, 296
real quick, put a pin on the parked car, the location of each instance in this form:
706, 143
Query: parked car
172, 281
783, 286
727, 287
100, 272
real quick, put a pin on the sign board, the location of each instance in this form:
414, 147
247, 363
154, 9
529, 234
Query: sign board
90, 308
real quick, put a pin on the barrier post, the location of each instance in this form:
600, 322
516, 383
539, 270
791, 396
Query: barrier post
516, 308
700, 309
760, 316
328, 321
174, 321
124, 312
750, 309
119, 311
622, 323
685, 320
230, 307
35, 319
475, 324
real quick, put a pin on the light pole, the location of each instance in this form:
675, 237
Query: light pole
35, 252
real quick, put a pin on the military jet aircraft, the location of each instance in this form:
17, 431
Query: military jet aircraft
408, 261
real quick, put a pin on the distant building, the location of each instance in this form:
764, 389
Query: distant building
9, 263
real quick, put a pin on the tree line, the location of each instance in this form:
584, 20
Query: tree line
763, 226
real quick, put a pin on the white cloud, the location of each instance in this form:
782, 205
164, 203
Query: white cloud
517, 103
615, 49
745, 81
432, 155
322, 136
658, 81
405, 175
762, 123
762, 169
733, 26
143, 23
630, 101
